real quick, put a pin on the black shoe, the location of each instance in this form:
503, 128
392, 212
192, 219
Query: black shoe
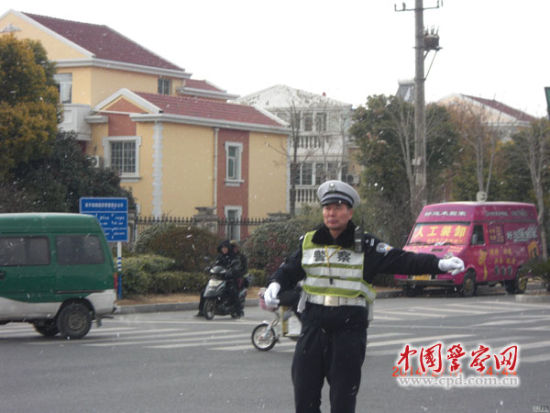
199, 314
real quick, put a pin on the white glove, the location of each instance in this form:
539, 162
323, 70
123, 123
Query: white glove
454, 265
270, 295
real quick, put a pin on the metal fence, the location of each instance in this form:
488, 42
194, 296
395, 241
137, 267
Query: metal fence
237, 229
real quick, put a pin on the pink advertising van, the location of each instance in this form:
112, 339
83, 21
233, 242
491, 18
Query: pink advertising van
493, 238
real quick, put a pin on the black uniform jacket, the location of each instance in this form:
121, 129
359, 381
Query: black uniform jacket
379, 258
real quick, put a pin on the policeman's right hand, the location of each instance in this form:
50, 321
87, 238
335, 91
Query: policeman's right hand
270, 295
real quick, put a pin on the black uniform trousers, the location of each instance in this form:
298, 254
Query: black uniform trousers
332, 344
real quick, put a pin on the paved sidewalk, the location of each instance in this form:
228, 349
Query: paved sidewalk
535, 293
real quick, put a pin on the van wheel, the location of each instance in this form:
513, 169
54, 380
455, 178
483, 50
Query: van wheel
48, 328
74, 320
516, 286
469, 285
411, 291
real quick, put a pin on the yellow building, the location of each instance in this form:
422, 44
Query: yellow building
178, 143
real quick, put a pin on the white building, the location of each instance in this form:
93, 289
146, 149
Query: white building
504, 119
319, 139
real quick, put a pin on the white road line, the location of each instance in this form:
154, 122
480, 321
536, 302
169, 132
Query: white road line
415, 314
515, 305
200, 341
208, 344
535, 359
536, 344
118, 337
395, 351
381, 317
374, 336
453, 310
408, 340
519, 320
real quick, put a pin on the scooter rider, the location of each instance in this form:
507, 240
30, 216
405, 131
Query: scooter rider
227, 259
337, 273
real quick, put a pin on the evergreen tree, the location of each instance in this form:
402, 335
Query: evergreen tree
28, 102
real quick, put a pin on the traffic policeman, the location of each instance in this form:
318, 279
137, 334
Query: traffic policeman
336, 264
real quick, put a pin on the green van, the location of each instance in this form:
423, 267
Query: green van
56, 272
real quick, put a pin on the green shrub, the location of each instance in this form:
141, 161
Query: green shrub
271, 243
538, 268
135, 283
170, 282
137, 270
167, 282
195, 282
258, 278
146, 262
192, 248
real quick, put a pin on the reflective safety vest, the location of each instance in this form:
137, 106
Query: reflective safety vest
333, 270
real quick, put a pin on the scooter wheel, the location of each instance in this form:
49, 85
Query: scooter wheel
263, 337
209, 308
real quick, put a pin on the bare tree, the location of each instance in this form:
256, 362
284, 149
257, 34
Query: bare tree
481, 135
403, 121
535, 141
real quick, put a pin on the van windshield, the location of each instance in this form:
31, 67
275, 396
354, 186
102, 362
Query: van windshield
434, 233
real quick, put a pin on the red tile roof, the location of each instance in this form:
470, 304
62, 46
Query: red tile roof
103, 42
202, 84
209, 109
501, 107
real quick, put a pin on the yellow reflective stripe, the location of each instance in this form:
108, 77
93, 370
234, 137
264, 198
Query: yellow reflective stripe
333, 270
355, 287
339, 272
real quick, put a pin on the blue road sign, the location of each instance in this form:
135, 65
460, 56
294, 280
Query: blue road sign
112, 214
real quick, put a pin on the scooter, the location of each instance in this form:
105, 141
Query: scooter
286, 323
217, 300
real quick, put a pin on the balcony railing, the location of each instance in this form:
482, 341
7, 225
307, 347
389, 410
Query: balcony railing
306, 195
74, 120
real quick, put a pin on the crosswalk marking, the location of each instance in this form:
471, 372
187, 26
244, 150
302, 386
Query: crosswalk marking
520, 323
417, 339
181, 337
453, 310
408, 313
536, 359
195, 343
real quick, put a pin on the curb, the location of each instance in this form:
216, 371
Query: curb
532, 295
250, 302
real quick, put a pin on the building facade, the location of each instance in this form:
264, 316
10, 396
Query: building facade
504, 119
319, 142
178, 143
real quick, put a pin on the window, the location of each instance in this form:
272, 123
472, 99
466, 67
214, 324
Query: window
233, 155
308, 122
64, 86
321, 122
233, 218
332, 170
24, 251
164, 86
78, 250
122, 155
319, 173
295, 122
477, 235
304, 174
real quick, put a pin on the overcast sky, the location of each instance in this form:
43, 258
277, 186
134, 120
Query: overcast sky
349, 49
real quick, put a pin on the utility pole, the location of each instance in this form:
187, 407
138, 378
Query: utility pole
421, 50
